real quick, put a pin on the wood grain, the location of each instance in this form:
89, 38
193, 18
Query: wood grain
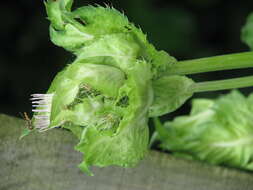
47, 161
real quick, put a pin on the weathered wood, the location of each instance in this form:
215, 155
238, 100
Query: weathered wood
47, 161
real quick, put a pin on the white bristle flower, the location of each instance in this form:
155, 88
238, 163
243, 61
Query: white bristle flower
42, 110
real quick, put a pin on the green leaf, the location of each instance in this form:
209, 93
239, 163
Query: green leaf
101, 21
125, 149
170, 92
55, 11
122, 48
247, 32
217, 131
24, 133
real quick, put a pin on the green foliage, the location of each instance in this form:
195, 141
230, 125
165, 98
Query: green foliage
247, 32
216, 131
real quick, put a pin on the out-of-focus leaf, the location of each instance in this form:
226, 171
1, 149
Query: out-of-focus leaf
247, 32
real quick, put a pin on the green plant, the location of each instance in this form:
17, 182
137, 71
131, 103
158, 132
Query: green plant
247, 32
216, 131
117, 81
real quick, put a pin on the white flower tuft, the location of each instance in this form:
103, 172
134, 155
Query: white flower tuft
41, 104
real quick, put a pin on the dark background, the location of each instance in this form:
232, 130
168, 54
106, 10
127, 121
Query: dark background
186, 29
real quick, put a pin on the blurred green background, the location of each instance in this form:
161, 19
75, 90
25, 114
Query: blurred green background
186, 29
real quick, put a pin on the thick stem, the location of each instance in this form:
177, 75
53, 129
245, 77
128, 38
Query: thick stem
240, 82
216, 63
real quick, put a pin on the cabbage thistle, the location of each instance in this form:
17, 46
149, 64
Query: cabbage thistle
217, 131
117, 81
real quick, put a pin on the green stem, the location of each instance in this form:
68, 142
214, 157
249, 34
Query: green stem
216, 63
240, 82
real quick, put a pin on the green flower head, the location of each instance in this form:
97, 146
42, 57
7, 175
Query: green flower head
217, 131
117, 81
114, 85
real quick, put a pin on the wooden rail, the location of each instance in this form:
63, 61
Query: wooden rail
47, 161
